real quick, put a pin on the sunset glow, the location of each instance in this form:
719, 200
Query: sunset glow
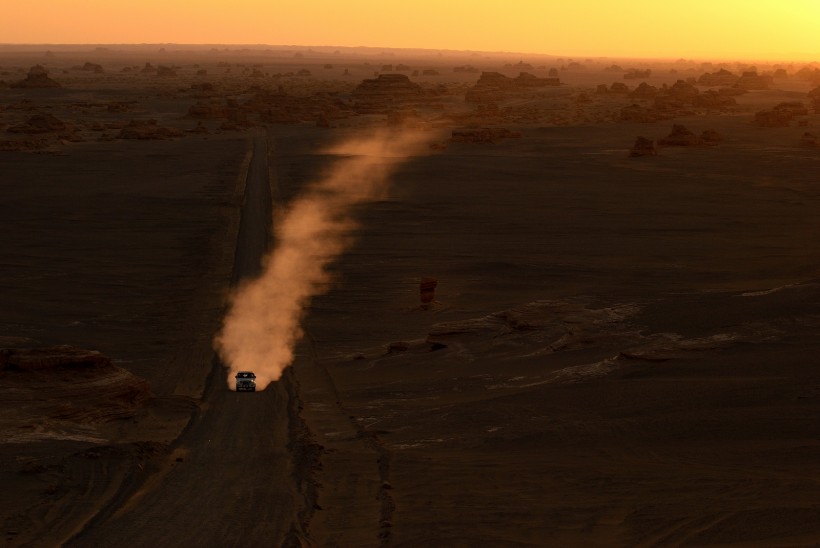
765, 30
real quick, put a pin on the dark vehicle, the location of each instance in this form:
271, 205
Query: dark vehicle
245, 381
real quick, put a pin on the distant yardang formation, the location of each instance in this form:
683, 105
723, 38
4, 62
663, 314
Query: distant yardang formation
37, 78
385, 92
492, 86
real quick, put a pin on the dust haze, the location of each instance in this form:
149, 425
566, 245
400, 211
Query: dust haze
262, 325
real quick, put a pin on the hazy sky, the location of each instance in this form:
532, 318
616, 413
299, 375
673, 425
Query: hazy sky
704, 29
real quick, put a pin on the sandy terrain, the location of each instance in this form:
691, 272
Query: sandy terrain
621, 352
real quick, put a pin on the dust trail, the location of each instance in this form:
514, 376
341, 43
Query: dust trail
262, 325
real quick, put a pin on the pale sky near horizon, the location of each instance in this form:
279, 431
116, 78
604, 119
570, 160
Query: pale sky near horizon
778, 30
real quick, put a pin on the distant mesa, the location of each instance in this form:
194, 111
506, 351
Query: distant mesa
493, 86
147, 130
520, 66
483, 135
644, 91
814, 96
166, 72
385, 92
638, 113
618, 88
711, 137
680, 137
429, 72
92, 67
718, 79
714, 100
636, 74
40, 123
37, 78
809, 140
781, 115
466, 68
751, 80
148, 69
643, 147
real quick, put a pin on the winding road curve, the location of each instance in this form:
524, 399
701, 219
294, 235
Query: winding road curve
230, 479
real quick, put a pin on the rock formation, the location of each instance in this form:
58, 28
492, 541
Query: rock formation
680, 137
644, 91
483, 135
634, 74
751, 80
781, 115
643, 147
720, 78
619, 87
65, 384
711, 137
40, 123
493, 86
809, 140
92, 67
638, 113
714, 100
147, 129
37, 78
385, 92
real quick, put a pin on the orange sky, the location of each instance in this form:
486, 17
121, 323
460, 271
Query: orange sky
702, 29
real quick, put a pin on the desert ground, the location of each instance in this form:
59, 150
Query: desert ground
621, 351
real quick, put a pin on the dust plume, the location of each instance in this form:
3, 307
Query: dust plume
262, 325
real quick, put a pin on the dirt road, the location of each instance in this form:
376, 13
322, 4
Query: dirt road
229, 480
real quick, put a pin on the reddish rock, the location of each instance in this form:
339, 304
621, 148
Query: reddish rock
711, 137
68, 384
809, 140
635, 74
147, 129
714, 100
681, 137
781, 115
751, 80
483, 135
491, 86
644, 91
384, 92
637, 113
92, 67
39, 123
720, 78
643, 147
619, 87
37, 78
166, 72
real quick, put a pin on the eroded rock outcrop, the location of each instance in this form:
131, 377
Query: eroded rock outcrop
65, 384
751, 80
40, 123
37, 78
809, 140
385, 92
493, 86
644, 91
781, 115
643, 147
680, 137
720, 78
147, 129
483, 135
